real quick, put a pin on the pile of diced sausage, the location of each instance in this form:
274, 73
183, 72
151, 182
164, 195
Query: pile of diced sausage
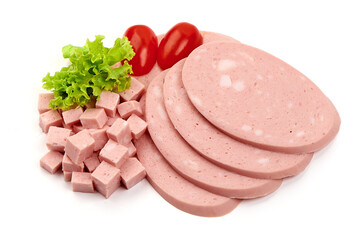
92, 146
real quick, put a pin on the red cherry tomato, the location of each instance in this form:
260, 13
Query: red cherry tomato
177, 44
145, 45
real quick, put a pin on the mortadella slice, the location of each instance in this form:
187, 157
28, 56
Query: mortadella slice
259, 99
175, 189
187, 162
219, 147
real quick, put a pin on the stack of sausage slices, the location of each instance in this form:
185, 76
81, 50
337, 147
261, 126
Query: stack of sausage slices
227, 123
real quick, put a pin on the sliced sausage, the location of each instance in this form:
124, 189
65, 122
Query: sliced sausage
259, 99
219, 147
175, 189
187, 162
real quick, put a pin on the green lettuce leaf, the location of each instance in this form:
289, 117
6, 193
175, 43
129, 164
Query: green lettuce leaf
90, 72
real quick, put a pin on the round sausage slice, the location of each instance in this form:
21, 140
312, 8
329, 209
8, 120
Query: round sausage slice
187, 162
219, 147
175, 189
259, 99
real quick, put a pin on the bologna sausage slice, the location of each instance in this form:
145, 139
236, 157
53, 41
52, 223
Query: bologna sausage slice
219, 147
175, 189
257, 98
187, 162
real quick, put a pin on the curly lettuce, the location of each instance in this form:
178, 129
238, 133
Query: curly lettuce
90, 72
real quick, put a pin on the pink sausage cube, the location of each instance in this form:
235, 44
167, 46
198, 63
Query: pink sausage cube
70, 166
43, 102
49, 118
134, 92
93, 118
51, 161
91, 163
131, 149
126, 109
120, 132
72, 116
132, 172
82, 182
100, 137
79, 146
56, 138
114, 153
137, 126
108, 101
106, 179
67, 176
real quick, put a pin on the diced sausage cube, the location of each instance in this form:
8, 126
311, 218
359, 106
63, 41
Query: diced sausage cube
108, 101
72, 116
56, 138
132, 172
51, 161
49, 118
91, 163
93, 118
126, 109
137, 126
100, 137
106, 179
82, 182
114, 153
70, 166
43, 102
131, 149
120, 132
134, 92
80, 146
67, 176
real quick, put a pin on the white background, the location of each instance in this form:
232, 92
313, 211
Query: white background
319, 38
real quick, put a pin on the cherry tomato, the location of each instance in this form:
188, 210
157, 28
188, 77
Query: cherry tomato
145, 45
178, 43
